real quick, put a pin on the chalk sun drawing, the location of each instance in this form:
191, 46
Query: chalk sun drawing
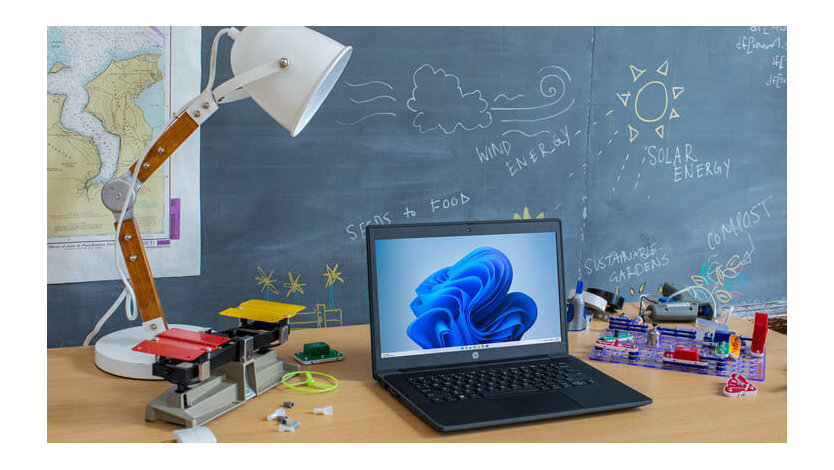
651, 104
441, 104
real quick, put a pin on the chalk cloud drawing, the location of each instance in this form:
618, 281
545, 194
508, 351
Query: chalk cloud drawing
440, 103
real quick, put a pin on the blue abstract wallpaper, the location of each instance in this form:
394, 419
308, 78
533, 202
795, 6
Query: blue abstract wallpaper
471, 290
469, 303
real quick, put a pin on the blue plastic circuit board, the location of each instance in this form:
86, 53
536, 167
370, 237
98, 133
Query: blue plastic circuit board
748, 365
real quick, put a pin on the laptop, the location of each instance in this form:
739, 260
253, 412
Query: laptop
468, 325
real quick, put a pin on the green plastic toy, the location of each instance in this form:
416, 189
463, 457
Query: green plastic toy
315, 353
308, 383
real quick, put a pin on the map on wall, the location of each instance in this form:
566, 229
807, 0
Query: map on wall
109, 94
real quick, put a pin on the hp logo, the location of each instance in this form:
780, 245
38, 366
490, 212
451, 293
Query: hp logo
475, 355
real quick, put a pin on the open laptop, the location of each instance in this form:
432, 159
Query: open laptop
468, 325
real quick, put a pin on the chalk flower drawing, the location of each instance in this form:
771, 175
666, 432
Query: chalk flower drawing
525, 214
266, 282
440, 103
722, 281
469, 303
295, 286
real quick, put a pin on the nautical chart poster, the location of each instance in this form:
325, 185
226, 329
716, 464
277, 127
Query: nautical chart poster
110, 91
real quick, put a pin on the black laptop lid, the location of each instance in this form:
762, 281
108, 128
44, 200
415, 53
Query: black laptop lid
457, 293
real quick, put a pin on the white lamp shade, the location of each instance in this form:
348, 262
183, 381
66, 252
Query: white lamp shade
293, 95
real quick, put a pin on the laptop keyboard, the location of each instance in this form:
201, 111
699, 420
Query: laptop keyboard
484, 383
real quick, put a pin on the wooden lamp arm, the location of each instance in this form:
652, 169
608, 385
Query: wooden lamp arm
130, 239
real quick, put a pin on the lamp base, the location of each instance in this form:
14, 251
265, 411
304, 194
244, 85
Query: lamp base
115, 356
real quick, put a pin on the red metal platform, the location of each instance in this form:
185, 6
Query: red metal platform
180, 344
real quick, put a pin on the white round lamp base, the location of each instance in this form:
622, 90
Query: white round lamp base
115, 355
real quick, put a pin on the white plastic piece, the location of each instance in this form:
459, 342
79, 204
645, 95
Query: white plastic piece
280, 412
325, 410
195, 435
290, 427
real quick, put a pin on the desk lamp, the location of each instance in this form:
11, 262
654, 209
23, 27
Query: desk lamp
288, 71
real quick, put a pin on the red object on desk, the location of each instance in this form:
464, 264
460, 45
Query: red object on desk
759, 333
181, 344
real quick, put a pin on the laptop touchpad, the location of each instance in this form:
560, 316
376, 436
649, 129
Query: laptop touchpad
536, 403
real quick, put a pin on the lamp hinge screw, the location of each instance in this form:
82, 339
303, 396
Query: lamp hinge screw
205, 105
284, 63
146, 165
133, 257
196, 114
128, 237
160, 150
153, 328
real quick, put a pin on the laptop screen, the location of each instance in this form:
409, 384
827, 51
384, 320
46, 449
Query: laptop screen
474, 292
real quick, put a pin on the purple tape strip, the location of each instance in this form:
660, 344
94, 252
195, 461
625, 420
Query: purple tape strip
175, 219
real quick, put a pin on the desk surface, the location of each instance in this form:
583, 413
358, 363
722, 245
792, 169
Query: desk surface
85, 404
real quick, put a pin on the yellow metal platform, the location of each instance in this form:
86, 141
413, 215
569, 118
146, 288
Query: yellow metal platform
263, 310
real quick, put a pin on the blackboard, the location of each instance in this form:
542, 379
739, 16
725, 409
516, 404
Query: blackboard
688, 162
486, 123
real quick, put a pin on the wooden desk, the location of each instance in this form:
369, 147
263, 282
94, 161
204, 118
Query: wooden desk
87, 405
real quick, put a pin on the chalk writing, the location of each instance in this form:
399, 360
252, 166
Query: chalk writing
448, 202
767, 40
356, 230
685, 164
751, 44
738, 223
624, 265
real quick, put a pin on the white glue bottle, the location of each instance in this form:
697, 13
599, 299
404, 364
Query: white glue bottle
579, 321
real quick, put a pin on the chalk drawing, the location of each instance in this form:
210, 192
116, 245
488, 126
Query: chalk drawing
353, 123
647, 100
517, 131
502, 95
370, 100
322, 317
374, 82
266, 282
384, 98
295, 286
652, 103
441, 104
553, 84
723, 281
332, 275
525, 214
